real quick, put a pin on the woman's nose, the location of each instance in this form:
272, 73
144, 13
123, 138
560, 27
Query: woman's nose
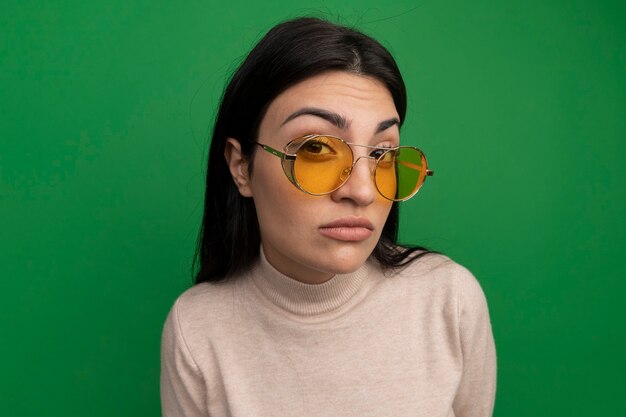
359, 187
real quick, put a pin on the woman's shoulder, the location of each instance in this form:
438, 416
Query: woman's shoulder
440, 274
428, 264
204, 302
205, 291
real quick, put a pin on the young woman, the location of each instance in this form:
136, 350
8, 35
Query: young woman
304, 303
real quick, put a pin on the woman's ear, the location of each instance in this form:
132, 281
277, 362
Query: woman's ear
238, 166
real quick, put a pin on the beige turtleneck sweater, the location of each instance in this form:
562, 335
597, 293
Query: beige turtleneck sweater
414, 342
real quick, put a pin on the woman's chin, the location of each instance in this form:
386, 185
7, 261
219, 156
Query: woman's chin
347, 265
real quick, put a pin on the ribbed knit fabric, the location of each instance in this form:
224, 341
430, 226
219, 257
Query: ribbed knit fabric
307, 300
413, 342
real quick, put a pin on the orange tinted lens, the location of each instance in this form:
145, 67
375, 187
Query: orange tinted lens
321, 164
400, 172
386, 178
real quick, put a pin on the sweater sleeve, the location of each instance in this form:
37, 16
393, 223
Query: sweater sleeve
475, 396
182, 386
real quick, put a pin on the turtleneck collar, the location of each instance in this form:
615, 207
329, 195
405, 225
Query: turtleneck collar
306, 299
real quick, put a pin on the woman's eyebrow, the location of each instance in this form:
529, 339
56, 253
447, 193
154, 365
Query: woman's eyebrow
334, 118
387, 124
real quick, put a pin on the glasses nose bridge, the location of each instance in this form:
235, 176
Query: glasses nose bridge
357, 159
348, 170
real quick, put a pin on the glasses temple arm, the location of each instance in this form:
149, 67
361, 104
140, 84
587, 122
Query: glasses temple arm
271, 150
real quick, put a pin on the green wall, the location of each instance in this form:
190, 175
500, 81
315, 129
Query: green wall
105, 114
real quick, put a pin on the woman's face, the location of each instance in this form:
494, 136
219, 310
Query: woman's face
311, 238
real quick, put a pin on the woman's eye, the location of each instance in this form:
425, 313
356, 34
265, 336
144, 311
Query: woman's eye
317, 148
387, 154
376, 153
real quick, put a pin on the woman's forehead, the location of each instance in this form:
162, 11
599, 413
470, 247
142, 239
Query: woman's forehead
338, 92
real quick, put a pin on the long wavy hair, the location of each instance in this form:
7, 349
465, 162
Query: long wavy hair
229, 238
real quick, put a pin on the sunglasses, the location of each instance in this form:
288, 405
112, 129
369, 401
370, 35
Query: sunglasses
320, 164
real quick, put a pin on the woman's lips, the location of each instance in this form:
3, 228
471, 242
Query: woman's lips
348, 229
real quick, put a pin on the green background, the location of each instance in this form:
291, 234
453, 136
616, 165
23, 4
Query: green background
104, 123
